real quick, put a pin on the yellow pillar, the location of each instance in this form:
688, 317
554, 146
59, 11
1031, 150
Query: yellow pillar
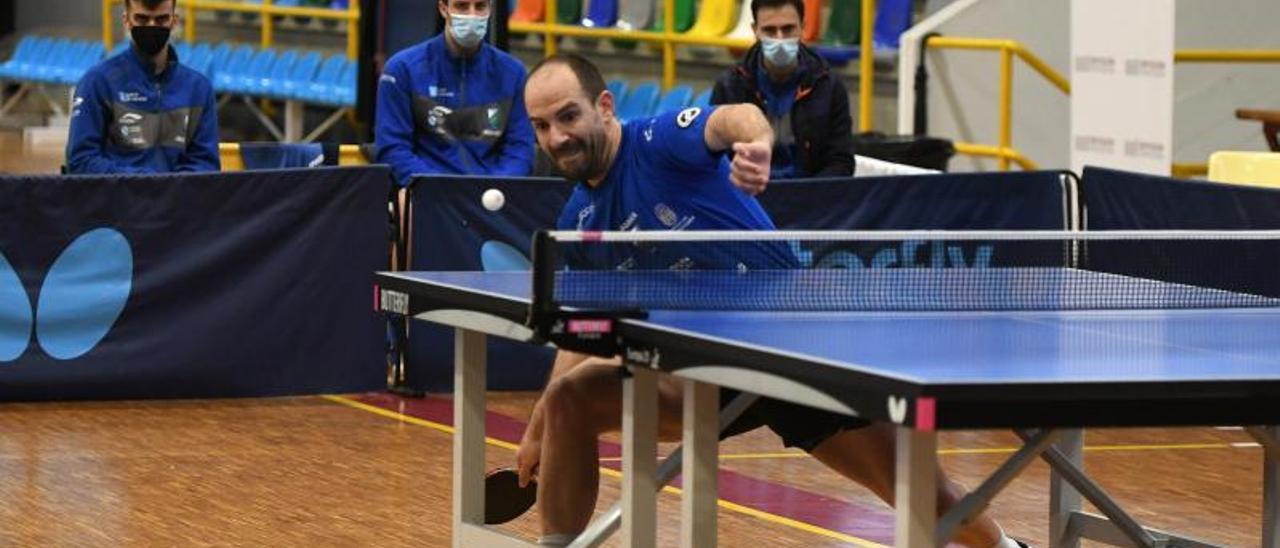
1006, 106
268, 25
189, 21
107, 24
549, 39
668, 46
353, 30
866, 67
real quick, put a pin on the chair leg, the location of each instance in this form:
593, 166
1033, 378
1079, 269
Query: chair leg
1269, 130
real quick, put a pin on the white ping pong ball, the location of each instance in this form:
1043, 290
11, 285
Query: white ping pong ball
493, 199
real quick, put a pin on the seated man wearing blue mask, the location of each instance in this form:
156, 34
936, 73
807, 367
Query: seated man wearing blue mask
142, 111
806, 104
453, 104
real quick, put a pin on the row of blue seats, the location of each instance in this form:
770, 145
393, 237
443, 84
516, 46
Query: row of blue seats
647, 99
290, 75
57, 61
303, 76
242, 70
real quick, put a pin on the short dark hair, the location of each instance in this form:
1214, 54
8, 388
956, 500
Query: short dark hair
757, 4
149, 4
588, 75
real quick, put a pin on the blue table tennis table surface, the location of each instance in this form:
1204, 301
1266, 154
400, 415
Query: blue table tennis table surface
967, 347
969, 369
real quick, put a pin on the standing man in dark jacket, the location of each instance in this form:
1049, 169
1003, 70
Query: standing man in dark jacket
807, 106
453, 104
141, 111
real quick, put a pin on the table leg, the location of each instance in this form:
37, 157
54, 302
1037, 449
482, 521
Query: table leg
700, 464
1269, 437
294, 116
639, 458
469, 362
916, 489
1064, 500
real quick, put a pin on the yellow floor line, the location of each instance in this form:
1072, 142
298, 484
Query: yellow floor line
412, 420
994, 450
746, 510
989, 451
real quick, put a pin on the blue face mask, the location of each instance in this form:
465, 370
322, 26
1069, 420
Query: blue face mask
468, 30
781, 52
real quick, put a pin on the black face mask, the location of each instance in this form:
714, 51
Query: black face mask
150, 40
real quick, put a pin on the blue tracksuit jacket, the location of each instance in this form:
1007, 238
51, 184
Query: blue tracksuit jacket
442, 114
127, 119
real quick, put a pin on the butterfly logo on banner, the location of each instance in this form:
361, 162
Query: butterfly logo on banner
80, 299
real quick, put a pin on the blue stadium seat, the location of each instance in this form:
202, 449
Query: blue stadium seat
259, 68
893, 17
346, 87
318, 90
55, 72
273, 82
619, 89
640, 102
601, 13
304, 71
199, 57
703, 99
28, 48
225, 75
217, 58
183, 49
677, 98
60, 55
90, 55
21, 66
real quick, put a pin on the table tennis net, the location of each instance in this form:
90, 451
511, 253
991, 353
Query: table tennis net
908, 271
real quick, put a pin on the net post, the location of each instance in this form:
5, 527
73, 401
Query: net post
542, 305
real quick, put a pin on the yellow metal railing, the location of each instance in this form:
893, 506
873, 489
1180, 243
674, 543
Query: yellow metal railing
668, 40
348, 155
1005, 152
1226, 56
266, 10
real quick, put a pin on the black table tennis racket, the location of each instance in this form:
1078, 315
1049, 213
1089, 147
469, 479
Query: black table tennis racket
504, 499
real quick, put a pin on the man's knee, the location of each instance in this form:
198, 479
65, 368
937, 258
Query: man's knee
577, 401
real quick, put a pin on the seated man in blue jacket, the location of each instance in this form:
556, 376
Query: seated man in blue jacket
142, 111
453, 104
806, 104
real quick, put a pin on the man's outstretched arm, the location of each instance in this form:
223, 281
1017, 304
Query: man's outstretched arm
743, 129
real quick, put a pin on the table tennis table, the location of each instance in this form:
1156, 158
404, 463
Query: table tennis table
1043, 373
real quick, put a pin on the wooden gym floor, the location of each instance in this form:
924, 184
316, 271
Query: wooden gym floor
375, 470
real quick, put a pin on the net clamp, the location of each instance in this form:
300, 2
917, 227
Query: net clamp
588, 332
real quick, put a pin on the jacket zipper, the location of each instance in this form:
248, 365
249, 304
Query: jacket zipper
462, 100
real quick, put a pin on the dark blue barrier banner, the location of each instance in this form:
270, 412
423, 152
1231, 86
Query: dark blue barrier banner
452, 230
975, 201
1120, 200
198, 285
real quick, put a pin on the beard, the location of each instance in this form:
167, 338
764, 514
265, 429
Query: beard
582, 159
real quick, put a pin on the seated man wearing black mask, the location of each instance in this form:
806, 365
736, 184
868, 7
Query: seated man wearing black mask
142, 111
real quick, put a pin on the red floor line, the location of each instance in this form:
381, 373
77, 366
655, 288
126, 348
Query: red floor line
875, 524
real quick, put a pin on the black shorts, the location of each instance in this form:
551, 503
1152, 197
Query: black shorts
797, 425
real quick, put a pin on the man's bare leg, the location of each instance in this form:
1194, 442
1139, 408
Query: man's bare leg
577, 407
866, 455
